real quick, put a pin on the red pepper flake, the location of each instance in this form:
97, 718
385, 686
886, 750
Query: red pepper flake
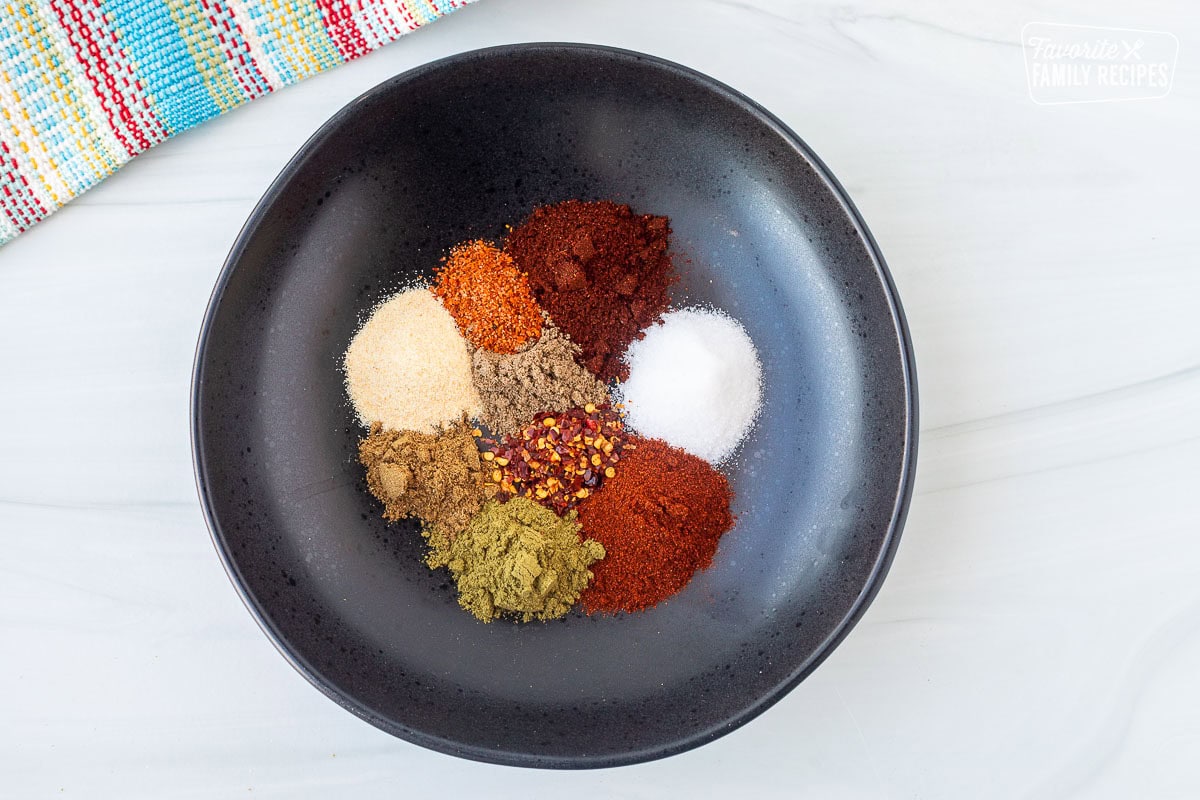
559, 458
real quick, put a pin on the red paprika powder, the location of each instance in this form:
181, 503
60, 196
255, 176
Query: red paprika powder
659, 518
601, 271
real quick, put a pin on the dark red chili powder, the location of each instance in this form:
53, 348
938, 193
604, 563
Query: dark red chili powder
601, 271
659, 518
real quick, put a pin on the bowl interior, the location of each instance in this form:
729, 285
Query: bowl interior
460, 149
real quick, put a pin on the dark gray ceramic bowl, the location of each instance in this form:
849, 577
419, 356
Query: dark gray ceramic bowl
460, 148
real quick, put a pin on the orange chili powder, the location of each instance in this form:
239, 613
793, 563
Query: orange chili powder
488, 297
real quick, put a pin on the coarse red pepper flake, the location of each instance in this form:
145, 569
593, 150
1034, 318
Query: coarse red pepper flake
558, 459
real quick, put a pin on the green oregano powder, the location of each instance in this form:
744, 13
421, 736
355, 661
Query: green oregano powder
517, 558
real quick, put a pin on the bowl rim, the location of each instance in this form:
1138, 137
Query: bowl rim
448, 746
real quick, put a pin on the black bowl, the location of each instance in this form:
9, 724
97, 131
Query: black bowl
458, 149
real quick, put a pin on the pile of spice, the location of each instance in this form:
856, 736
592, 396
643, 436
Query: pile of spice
659, 519
559, 459
436, 477
518, 558
695, 382
559, 503
544, 377
408, 367
488, 297
601, 271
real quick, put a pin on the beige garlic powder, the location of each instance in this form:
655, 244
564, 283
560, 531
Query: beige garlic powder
408, 367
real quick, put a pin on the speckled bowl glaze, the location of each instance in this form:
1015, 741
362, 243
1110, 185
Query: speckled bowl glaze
458, 149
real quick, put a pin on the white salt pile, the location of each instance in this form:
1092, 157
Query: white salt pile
695, 382
408, 367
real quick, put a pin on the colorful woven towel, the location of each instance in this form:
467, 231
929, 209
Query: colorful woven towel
85, 85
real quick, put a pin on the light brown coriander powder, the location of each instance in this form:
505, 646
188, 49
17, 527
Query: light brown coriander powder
438, 477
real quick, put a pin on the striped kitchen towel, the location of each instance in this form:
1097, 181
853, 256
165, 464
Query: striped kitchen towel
85, 85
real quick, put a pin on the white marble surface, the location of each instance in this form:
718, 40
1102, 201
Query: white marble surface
1039, 634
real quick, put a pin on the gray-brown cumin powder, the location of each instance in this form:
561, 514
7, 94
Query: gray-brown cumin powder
545, 376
